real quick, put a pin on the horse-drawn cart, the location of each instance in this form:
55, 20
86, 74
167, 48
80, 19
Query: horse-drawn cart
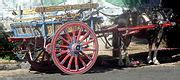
68, 40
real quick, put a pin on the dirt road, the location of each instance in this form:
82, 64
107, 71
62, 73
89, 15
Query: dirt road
168, 71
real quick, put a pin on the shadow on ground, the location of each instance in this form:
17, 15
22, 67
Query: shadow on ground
106, 63
164, 56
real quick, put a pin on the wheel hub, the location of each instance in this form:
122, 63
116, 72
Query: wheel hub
75, 48
78, 47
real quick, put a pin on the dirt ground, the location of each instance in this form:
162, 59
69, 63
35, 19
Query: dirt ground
134, 47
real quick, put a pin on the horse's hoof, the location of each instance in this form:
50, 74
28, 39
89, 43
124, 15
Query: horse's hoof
120, 63
150, 61
155, 61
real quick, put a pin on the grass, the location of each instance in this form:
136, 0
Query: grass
7, 56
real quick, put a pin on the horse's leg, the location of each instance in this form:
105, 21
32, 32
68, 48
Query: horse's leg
120, 61
127, 60
117, 47
149, 60
127, 40
157, 43
121, 44
151, 39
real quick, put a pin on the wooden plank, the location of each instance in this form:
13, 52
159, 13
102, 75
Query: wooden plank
26, 11
73, 15
66, 7
30, 11
58, 8
64, 16
28, 19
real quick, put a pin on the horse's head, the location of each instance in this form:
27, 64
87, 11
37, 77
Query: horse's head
128, 18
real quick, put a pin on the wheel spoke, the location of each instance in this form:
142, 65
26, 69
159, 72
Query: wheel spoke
85, 36
67, 34
70, 62
74, 36
89, 41
38, 56
65, 58
76, 63
61, 52
43, 56
65, 40
79, 34
85, 55
40, 61
62, 46
82, 61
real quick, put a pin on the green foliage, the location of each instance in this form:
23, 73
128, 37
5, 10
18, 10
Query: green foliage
6, 47
7, 57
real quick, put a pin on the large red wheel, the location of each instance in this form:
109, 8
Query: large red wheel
74, 48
